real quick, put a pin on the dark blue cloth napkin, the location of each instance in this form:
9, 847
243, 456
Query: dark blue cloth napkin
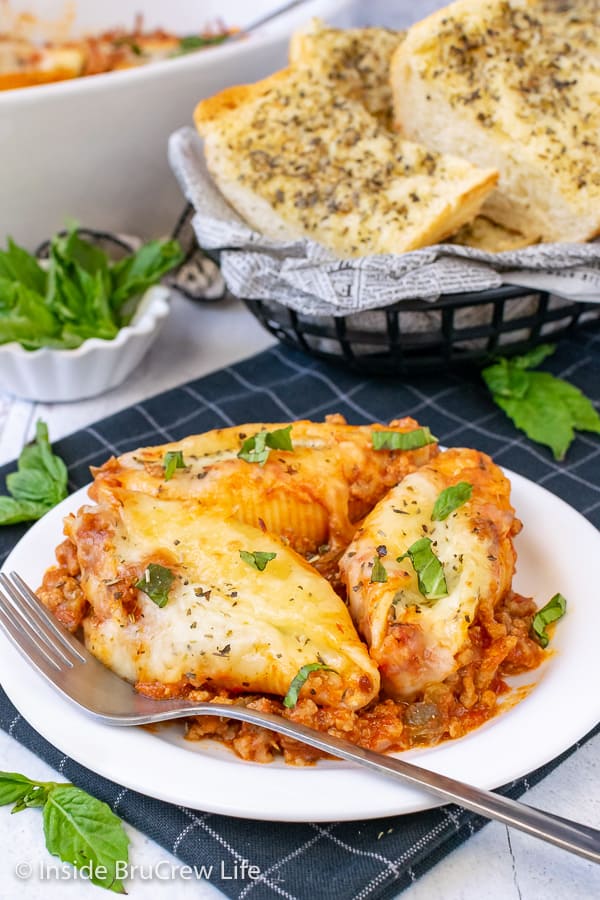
366, 859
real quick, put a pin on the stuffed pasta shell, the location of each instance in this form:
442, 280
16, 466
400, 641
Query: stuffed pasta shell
309, 483
435, 553
174, 600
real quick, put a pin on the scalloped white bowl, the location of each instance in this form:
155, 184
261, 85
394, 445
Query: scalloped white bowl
59, 376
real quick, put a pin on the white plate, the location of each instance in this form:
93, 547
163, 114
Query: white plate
558, 551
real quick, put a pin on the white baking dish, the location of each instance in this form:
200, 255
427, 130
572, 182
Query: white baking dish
95, 148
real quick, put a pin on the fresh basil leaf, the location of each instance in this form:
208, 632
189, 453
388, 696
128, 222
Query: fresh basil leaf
84, 831
78, 828
540, 416
256, 449
156, 583
36, 796
31, 484
13, 787
291, 698
41, 476
533, 358
17, 265
506, 379
173, 460
280, 439
25, 317
258, 560
509, 378
39, 483
79, 289
14, 511
132, 276
82, 295
53, 464
583, 415
546, 408
71, 247
554, 609
430, 572
402, 440
450, 499
379, 573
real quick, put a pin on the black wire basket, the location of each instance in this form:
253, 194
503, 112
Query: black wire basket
412, 335
420, 336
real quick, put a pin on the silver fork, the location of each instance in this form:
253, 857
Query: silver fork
72, 670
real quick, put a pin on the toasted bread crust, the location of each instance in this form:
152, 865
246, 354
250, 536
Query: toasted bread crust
210, 110
355, 62
295, 159
514, 84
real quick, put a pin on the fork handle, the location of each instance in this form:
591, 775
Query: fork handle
572, 836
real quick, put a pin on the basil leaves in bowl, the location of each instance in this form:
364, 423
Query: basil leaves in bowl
77, 323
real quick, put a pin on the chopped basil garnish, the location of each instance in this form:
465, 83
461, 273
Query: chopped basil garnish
450, 499
156, 583
430, 572
554, 609
173, 460
191, 42
402, 440
256, 449
379, 573
291, 698
258, 560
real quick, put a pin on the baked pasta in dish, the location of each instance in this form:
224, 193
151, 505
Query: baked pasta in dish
308, 482
27, 62
195, 573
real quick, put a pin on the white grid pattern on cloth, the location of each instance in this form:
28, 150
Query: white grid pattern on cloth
209, 405
390, 864
421, 844
305, 383
139, 407
201, 822
320, 376
281, 862
276, 399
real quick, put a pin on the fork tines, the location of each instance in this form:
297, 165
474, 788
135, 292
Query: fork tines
32, 629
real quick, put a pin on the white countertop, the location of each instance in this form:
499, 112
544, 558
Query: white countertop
496, 864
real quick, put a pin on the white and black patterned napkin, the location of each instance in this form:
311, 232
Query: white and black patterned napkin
367, 859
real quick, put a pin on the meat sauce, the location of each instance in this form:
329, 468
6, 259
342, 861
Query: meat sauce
498, 645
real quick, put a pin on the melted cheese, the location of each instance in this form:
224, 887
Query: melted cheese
415, 641
311, 496
225, 623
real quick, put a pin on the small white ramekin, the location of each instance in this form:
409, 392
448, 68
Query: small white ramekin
58, 376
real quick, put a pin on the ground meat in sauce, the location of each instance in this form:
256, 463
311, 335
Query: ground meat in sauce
60, 591
464, 701
498, 645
